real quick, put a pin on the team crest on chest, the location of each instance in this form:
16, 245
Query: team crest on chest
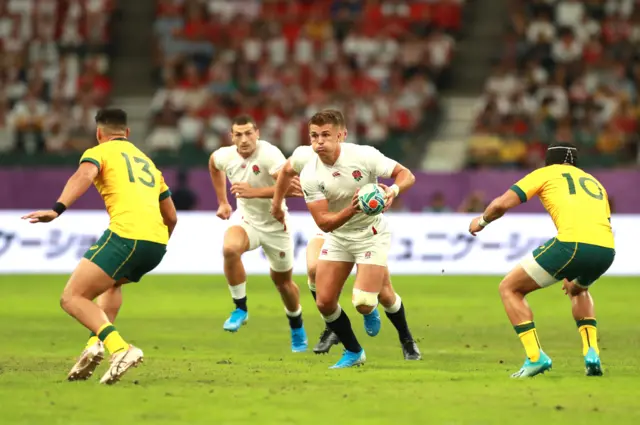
357, 175
336, 174
255, 169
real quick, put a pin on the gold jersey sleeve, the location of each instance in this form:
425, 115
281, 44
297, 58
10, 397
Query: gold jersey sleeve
576, 201
132, 188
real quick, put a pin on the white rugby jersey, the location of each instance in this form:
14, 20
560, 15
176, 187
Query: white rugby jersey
300, 157
356, 166
257, 170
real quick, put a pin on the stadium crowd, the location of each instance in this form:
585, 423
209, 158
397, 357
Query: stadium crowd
569, 71
379, 61
53, 72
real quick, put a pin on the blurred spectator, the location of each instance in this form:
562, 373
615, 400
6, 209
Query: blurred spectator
574, 78
473, 203
42, 44
438, 204
183, 197
282, 61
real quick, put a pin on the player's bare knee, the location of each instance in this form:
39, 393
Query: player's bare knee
231, 251
365, 302
66, 300
311, 272
505, 288
326, 306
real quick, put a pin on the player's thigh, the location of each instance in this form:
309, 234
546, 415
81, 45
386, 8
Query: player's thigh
88, 280
313, 253
278, 247
521, 281
239, 239
330, 279
113, 254
370, 278
146, 257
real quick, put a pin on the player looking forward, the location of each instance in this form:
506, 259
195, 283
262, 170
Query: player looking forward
582, 251
251, 166
142, 218
329, 182
391, 301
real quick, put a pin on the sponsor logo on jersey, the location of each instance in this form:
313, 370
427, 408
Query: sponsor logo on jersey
282, 254
357, 175
336, 174
255, 169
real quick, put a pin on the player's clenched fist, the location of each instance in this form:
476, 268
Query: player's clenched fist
224, 211
277, 212
475, 226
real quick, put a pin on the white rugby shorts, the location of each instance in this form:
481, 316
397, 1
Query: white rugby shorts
373, 250
277, 246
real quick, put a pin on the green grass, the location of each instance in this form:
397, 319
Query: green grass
194, 373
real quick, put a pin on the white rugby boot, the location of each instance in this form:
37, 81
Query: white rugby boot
120, 363
87, 362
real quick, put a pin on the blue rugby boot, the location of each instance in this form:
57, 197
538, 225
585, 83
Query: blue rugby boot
372, 322
530, 369
592, 363
236, 320
299, 343
350, 359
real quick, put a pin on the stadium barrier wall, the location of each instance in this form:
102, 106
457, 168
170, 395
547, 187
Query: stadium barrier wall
37, 184
428, 244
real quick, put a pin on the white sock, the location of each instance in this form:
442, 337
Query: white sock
296, 313
238, 291
333, 316
312, 285
395, 307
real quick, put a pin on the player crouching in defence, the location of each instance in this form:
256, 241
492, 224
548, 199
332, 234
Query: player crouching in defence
251, 165
329, 181
142, 218
582, 251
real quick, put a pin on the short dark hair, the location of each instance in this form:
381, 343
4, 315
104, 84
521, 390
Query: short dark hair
112, 117
325, 117
339, 116
561, 153
244, 119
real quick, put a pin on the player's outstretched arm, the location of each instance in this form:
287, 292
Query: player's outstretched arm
169, 214
245, 190
329, 221
496, 209
219, 181
76, 186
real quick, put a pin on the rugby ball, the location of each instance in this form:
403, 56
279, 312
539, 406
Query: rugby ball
371, 199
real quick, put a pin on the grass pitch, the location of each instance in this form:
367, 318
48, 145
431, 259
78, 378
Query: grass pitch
194, 373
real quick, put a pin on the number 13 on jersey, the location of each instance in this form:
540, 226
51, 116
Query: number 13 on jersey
151, 182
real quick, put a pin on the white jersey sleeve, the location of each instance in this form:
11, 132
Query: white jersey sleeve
311, 188
222, 156
300, 157
274, 159
377, 163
